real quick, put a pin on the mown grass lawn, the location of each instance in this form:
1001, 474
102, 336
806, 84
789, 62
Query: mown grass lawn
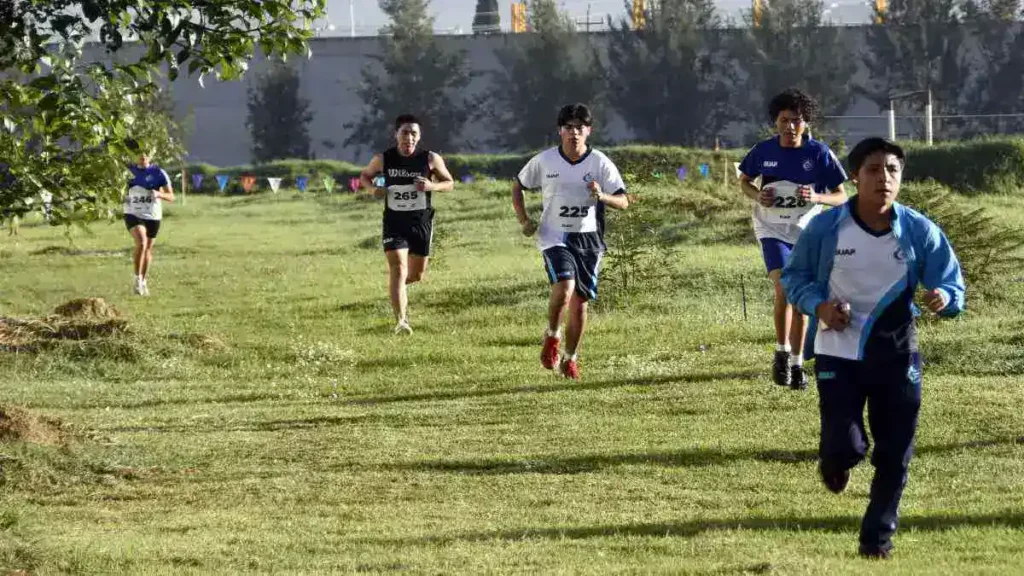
260, 416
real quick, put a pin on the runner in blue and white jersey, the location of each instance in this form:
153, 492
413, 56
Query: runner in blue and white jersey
790, 176
855, 269
576, 182
148, 187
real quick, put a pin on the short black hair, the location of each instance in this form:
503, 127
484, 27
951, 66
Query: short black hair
795, 100
869, 146
405, 119
577, 112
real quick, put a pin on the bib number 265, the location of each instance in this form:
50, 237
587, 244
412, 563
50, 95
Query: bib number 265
573, 211
411, 195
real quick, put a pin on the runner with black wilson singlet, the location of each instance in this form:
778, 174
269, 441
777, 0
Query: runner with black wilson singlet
410, 177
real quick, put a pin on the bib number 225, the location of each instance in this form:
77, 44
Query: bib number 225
573, 211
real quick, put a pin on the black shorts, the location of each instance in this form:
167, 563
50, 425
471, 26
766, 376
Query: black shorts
152, 226
416, 237
564, 262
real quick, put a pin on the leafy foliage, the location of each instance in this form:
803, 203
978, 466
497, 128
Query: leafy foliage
793, 47
678, 56
414, 75
920, 46
988, 252
487, 19
278, 116
538, 73
65, 132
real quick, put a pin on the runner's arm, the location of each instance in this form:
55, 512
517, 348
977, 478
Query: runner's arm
375, 167
748, 188
519, 203
942, 270
165, 192
444, 181
836, 197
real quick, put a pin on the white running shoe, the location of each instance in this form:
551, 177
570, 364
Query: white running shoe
137, 285
403, 327
145, 289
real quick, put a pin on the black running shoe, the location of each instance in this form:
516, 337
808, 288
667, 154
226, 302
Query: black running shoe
876, 552
835, 481
780, 368
797, 378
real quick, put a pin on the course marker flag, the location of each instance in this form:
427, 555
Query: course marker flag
275, 183
681, 173
247, 183
329, 184
222, 181
301, 182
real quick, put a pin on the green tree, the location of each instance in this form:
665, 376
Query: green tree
67, 131
793, 46
413, 75
487, 19
672, 80
920, 46
999, 84
538, 73
279, 117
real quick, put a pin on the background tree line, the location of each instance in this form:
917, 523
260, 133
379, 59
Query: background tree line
689, 73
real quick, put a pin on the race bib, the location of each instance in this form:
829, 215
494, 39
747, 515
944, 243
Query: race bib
788, 207
405, 198
566, 215
142, 203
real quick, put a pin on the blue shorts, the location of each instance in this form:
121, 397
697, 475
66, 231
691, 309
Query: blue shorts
776, 253
565, 262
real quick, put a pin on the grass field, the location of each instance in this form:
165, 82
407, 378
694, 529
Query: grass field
261, 417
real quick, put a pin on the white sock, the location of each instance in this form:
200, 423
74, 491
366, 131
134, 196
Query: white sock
570, 357
796, 360
783, 348
555, 334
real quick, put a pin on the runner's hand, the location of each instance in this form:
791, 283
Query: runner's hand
595, 190
379, 192
529, 227
423, 185
807, 193
935, 300
767, 197
835, 315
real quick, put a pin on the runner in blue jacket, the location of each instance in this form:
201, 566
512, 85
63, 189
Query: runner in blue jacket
855, 270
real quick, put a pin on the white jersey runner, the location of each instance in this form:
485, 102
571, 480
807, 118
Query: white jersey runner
568, 207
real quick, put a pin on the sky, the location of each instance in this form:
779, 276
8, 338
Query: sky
456, 16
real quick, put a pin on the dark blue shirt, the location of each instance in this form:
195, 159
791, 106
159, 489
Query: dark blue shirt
812, 164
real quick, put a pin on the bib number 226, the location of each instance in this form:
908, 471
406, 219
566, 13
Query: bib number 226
789, 202
573, 211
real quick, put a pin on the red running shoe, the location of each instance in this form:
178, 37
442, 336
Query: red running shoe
570, 369
549, 354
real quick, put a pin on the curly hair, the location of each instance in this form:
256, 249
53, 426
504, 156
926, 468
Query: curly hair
794, 100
